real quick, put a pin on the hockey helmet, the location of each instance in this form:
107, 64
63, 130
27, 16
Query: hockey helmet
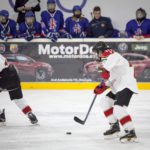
51, 1
100, 47
4, 13
29, 18
76, 8
140, 13
29, 14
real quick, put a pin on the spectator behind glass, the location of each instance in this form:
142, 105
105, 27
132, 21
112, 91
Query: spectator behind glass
22, 6
139, 28
77, 25
100, 26
52, 21
30, 29
7, 26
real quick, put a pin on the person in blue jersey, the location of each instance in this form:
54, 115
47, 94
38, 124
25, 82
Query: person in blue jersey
139, 28
7, 26
52, 21
77, 25
30, 29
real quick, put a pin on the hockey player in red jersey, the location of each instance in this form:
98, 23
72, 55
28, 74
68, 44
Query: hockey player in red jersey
9, 81
119, 76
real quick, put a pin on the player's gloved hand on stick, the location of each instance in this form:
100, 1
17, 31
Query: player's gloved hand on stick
100, 88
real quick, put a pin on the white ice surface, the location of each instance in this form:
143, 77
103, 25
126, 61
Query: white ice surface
55, 111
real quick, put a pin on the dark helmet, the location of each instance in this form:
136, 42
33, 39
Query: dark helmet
4, 13
29, 14
140, 13
100, 47
51, 1
76, 7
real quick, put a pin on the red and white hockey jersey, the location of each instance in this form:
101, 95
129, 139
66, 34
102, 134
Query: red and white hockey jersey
121, 73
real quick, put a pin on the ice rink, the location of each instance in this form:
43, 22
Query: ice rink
55, 111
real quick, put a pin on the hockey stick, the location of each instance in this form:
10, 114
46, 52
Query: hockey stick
83, 121
89, 110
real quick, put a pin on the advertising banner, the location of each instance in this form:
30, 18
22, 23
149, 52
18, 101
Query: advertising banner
70, 61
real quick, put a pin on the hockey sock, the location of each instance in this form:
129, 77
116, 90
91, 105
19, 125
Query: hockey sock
22, 104
123, 117
107, 106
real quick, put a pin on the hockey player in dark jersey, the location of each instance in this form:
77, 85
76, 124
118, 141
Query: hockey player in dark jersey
7, 26
77, 25
53, 22
9, 81
139, 28
30, 29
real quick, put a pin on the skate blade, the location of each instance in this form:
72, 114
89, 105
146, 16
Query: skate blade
35, 124
129, 140
113, 136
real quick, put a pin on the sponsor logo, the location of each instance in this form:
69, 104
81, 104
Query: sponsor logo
140, 47
14, 48
62, 51
122, 47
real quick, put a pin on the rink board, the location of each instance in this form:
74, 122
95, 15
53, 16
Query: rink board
70, 85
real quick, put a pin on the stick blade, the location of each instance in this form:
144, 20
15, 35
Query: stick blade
79, 120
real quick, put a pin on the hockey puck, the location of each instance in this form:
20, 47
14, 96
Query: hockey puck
69, 133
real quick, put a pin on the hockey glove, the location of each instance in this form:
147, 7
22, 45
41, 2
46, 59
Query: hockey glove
53, 36
100, 88
68, 36
82, 35
3, 38
29, 37
104, 73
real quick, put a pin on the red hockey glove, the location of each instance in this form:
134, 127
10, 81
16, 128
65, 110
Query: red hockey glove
100, 88
104, 73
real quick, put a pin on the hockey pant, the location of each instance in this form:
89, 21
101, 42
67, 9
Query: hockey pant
115, 108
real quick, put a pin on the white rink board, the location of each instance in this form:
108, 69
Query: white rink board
55, 111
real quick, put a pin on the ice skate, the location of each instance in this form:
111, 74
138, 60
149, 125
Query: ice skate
32, 118
2, 118
130, 136
113, 132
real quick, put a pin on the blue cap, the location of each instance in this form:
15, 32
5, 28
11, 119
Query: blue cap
76, 8
4, 13
51, 1
29, 14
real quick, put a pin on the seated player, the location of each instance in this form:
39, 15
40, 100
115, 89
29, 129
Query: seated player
53, 22
77, 25
30, 29
119, 76
7, 26
9, 80
139, 28
100, 26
